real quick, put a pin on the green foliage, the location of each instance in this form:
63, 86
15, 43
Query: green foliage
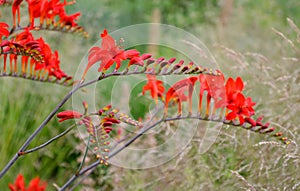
188, 14
139, 105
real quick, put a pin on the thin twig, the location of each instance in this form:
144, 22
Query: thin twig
36, 132
84, 156
49, 141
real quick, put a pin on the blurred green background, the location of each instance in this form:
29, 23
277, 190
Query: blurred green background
240, 34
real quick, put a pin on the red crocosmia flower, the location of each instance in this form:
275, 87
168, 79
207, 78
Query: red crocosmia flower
52, 66
24, 36
34, 185
176, 93
16, 10
233, 87
69, 19
65, 115
40, 51
51, 62
241, 108
3, 30
48, 10
139, 60
34, 10
180, 95
155, 87
108, 54
214, 85
19, 184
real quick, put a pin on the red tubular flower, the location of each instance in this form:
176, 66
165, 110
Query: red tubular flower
180, 96
233, 87
155, 87
19, 184
48, 10
42, 57
139, 60
214, 85
3, 30
24, 37
34, 185
65, 115
34, 10
54, 8
16, 10
69, 19
51, 62
108, 54
176, 93
241, 108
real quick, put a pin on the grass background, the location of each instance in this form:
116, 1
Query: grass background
247, 46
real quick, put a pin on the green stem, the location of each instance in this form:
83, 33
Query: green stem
84, 156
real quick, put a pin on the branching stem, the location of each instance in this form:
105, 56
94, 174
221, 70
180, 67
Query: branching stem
54, 111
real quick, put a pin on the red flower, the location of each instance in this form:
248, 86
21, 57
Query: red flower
241, 108
34, 185
42, 57
65, 115
34, 10
3, 30
69, 19
15, 10
176, 93
109, 53
233, 87
19, 184
214, 85
46, 10
155, 87
139, 60
51, 62
180, 95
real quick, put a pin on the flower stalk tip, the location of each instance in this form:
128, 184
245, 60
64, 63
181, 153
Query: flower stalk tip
65, 115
